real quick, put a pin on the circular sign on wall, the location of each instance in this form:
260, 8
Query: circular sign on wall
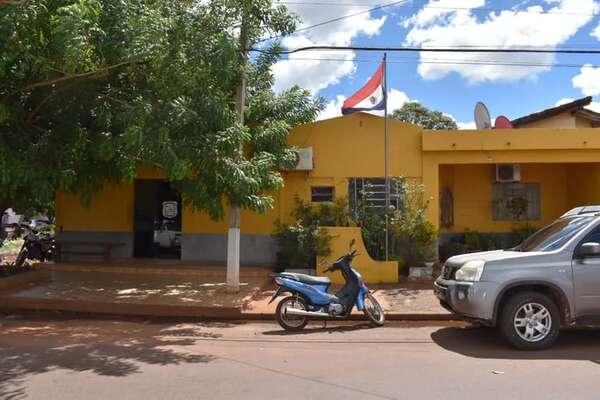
169, 209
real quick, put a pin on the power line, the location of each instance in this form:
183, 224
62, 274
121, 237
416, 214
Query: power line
330, 21
486, 9
447, 62
429, 49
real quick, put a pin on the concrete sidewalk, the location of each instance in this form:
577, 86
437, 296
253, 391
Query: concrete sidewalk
187, 293
117, 290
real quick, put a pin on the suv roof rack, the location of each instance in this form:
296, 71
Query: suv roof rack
582, 210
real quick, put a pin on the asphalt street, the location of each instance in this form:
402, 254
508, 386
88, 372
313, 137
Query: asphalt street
55, 357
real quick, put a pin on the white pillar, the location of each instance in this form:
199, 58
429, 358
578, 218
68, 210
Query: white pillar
233, 250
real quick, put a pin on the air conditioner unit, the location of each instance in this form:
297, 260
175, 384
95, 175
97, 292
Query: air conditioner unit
305, 159
508, 173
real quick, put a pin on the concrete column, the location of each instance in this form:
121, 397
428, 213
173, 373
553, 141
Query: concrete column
431, 181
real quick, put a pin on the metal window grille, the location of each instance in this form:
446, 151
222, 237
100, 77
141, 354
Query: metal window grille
515, 201
319, 194
369, 193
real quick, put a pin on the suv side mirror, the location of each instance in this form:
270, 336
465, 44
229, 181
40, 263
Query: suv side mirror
590, 249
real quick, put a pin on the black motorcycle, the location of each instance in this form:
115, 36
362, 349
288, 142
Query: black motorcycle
37, 245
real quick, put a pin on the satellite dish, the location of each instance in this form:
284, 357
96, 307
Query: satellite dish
503, 123
482, 117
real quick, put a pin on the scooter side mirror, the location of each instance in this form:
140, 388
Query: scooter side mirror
352, 242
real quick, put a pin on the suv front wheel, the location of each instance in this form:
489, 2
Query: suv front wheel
530, 321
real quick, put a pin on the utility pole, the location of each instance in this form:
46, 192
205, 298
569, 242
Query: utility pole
385, 161
233, 234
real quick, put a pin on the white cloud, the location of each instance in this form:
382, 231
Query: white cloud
588, 80
333, 108
304, 68
594, 106
466, 125
529, 27
563, 101
396, 98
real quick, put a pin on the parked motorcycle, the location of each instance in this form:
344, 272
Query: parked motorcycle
310, 298
37, 245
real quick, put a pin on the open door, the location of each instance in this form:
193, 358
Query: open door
157, 220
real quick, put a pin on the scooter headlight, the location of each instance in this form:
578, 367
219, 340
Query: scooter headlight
471, 271
279, 281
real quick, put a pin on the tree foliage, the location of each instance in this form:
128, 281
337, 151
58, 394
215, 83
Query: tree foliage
416, 114
90, 89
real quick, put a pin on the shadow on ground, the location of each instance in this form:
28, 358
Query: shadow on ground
583, 345
322, 328
109, 348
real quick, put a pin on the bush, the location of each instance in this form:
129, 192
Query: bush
372, 225
451, 248
493, 241
522, 232
301, 242
416, 235
472, 240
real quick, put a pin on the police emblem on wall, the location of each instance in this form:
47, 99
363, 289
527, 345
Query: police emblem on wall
169, 209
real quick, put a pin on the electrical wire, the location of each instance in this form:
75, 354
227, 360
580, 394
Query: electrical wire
448, 62
430, 49
330, 21
485, 9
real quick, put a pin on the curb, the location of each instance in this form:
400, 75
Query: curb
123, 309
359, 317
11, 304
23, 279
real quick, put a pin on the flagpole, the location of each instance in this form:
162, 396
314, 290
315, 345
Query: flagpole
385, 160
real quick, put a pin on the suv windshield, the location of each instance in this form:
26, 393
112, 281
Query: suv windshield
555, 235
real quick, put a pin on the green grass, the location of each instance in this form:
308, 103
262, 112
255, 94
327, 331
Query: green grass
11, 247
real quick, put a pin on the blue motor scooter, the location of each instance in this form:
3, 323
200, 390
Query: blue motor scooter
310, 298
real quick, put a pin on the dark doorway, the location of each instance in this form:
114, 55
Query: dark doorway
157, 220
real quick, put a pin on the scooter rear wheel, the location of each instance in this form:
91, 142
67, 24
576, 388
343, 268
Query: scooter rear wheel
373, 310
291, 322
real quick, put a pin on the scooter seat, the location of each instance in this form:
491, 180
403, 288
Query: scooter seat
314, 280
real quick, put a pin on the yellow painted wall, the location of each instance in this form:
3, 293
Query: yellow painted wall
352, 146
564, 120
583, 184
471, 187
343, 148
555, 151
372, 271
562, 160
110, 211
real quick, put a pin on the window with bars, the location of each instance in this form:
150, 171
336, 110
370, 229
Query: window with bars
320, 194
369, 193
515, 201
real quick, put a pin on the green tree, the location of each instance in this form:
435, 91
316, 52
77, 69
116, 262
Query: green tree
92, 88
414, 113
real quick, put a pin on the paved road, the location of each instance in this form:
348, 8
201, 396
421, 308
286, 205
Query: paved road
59, 358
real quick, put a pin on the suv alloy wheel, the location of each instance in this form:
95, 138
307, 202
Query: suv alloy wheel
530, 321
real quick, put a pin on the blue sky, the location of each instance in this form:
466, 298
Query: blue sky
451, 83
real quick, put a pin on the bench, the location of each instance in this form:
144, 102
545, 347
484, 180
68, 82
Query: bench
104, 249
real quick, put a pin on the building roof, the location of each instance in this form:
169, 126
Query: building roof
576, 107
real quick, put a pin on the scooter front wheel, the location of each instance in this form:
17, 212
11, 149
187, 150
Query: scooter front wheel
291, 322
373, 310
21, 258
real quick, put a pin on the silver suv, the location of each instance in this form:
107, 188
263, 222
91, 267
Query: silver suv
550, 280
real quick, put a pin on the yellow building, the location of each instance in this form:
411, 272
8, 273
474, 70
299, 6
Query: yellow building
471, 177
